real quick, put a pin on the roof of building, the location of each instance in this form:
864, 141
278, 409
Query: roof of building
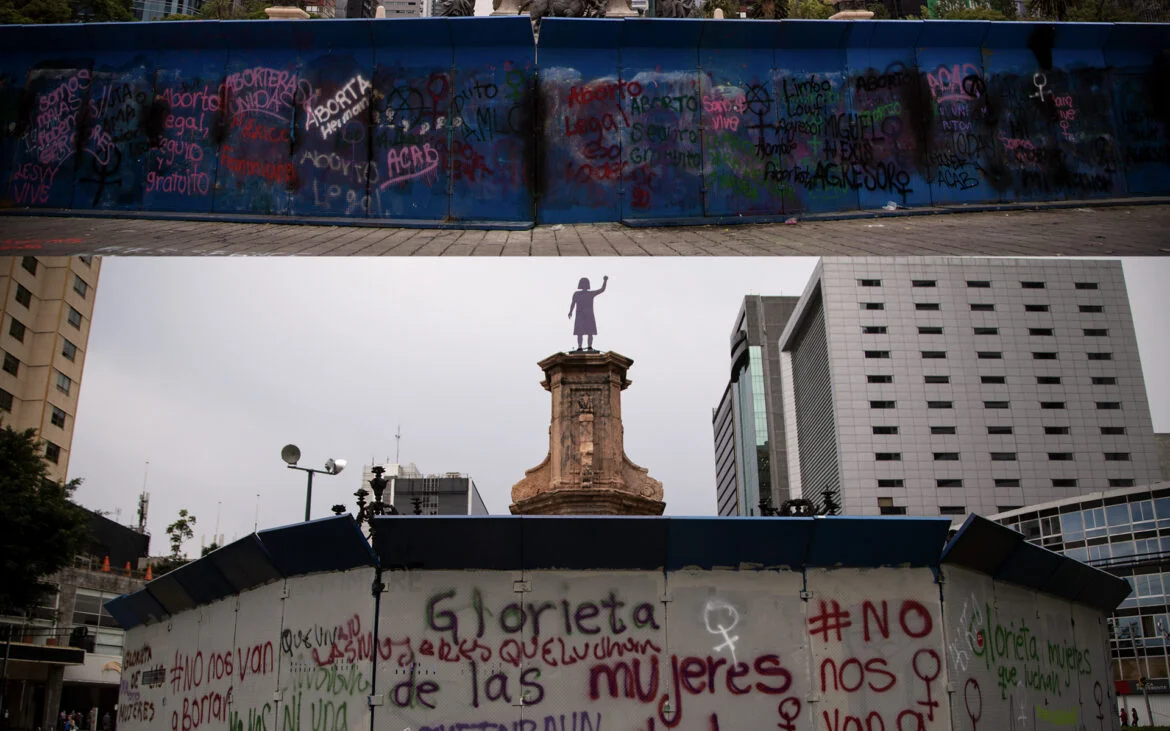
519, 543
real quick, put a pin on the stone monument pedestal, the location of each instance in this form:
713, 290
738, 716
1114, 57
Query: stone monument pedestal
586, 471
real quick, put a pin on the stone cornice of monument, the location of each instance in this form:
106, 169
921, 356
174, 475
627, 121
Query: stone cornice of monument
586, 471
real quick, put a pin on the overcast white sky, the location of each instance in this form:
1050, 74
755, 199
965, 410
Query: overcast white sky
207, 367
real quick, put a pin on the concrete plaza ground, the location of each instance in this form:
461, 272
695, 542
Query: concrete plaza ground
1088, 229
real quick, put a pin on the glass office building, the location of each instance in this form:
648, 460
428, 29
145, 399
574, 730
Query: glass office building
1127, 533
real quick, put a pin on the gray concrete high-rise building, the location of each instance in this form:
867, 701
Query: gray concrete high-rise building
748, 424
928, 386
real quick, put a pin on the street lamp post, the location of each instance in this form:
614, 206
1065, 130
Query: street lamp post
291, 455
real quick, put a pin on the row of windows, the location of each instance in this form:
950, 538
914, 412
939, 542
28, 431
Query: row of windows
987, 355
981, 307
1001, 380
1015, 482
1053, 405
974, 284
1089, 332
12, 363
1002, 456
56, 416
1106, 431
30, 264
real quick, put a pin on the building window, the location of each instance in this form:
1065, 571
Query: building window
1063, 482
23, 296
1104, 381
80, 286
927, 306
946, 456
1117, 456
890, 483
885, 430
58, 418
1086, 285
873, 329
1040, 331
1056, 430
978, 284
1112, 431
934, 354
869, 282
1035, 308
11, 364
1108, 405
68, 350
997, 404
86, 259
923, 283
1100, 356
886, 507
942, 430
881, 404
29, 263
1043, 356
879, 379
63, 383
940, 404
1032, 285
999, 430
74, 317
877, 354
937, 379
16, 329
1052, 404
1007, 482
930, 330
952, 510
89, 610
1091, 308
5, 400
987, 331
982, 307
888, 456
1060, 456
52, 452
873, 305
1047, 380
989, 355
993, 379
1121, 482
949, 482
1096, 332
1003, 456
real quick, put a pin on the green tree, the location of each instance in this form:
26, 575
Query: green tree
179, 531
810, 9
209, 548
731, 8
42, 528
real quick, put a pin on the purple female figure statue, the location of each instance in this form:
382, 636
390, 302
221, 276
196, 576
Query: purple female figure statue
585, 325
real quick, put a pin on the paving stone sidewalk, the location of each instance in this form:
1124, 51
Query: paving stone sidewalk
1138, 230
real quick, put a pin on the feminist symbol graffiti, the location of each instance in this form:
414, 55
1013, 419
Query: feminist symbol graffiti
713, 610
1040, 81
928, 676
973, 700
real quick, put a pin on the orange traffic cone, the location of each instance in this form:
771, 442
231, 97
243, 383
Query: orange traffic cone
127, 568
106, 564
149, 577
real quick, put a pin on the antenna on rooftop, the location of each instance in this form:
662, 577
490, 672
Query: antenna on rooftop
143, 501
397, 443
